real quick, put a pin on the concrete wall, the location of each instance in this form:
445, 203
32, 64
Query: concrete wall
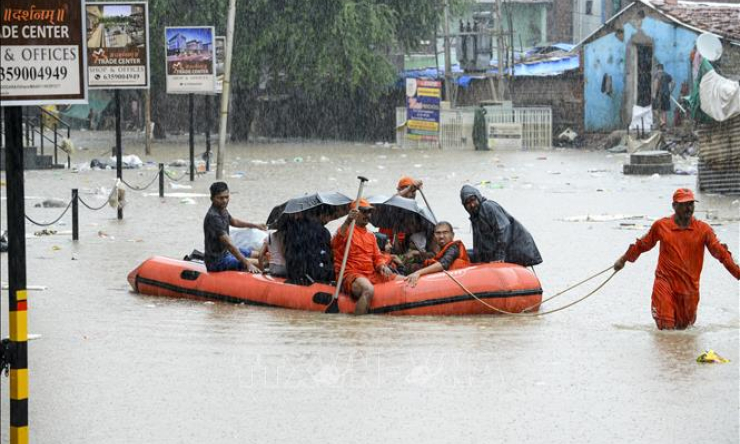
614, 54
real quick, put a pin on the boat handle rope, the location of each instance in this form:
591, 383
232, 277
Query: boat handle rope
524, 313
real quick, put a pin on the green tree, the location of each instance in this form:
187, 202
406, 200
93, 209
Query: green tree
329, 48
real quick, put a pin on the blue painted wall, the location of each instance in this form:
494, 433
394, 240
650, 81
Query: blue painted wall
608, 55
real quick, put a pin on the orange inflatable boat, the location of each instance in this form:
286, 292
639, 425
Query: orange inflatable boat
504, 286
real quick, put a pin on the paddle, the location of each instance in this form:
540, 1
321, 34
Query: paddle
426, 202
334, 306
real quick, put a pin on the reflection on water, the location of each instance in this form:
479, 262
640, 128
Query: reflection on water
116, 367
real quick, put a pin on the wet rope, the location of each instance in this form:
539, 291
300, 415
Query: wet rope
567, 289
136, 188
89, 207
166, 173
524, 312
43, 224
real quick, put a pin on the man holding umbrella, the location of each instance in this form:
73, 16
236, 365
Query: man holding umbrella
366, 266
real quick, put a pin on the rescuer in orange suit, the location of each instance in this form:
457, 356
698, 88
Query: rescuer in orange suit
682, 241
407, 187
366, 266
452, 254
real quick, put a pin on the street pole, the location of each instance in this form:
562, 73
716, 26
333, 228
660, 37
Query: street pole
448, 56
191, 110
119, 147
17, 292
147, 122
224, 117
208, 133
500, 49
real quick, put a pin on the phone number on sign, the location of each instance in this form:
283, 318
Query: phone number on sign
32, 73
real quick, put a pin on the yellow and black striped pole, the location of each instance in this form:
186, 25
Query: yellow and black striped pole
18, 305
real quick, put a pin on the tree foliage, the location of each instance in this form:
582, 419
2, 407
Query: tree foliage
312, 47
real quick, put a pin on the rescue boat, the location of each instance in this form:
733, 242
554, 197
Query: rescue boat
507, 287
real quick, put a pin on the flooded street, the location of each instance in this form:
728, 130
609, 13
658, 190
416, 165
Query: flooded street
111, 366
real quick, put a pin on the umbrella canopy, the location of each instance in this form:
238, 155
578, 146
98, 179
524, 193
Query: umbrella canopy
334, 205
400, 214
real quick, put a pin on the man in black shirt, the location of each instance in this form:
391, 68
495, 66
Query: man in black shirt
452, 254
220, 252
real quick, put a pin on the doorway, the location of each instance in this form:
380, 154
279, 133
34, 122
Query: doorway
644, 74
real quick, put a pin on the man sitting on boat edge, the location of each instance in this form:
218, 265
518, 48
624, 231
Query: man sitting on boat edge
366, 266
452, 254
220, 252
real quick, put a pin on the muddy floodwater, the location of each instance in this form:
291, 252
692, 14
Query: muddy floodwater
111, 366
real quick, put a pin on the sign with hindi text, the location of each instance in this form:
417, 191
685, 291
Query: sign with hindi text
422, 109
43, 52
117, 45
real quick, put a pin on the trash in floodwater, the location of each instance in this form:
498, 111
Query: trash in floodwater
177, 186
188, 201
603, 217
45, 232
710, 357
104, 235
56, 248
298, 159
51, 203
179, 163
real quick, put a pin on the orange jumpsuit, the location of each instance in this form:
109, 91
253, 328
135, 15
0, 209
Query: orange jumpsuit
676, 288
363, 259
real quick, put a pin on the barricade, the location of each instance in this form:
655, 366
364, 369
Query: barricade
456, 127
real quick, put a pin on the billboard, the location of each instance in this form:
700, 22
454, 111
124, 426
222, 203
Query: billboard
191, 64
220, 63
422, 109
42, 52
117, 45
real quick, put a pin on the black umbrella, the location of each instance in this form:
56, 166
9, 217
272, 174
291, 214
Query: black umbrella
333, 205
400, 214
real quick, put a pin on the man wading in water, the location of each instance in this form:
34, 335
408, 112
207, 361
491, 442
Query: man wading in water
682, 241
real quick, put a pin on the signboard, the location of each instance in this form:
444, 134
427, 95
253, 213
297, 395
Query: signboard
422, 109
42, 52
190, 59
505, 135
117, 45
220, 63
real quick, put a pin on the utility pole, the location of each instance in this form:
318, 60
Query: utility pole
224, 117
499, 48
448, 57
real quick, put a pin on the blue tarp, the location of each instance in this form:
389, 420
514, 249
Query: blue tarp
547, 67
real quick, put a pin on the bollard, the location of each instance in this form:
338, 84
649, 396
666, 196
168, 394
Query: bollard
161, 180
55, 144
41, 133
75, 215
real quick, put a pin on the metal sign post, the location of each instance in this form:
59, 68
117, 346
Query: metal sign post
35, 71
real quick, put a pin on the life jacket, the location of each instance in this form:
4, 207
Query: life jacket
462, 261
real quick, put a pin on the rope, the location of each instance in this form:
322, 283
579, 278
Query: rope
569, 288
523, 313
89, 207
136, 188
166, 173
42, 224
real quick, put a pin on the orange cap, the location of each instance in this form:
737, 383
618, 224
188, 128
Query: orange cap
404, 182
683, 195
364, 205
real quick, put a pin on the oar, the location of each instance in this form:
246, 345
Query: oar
334, 306
426, 202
